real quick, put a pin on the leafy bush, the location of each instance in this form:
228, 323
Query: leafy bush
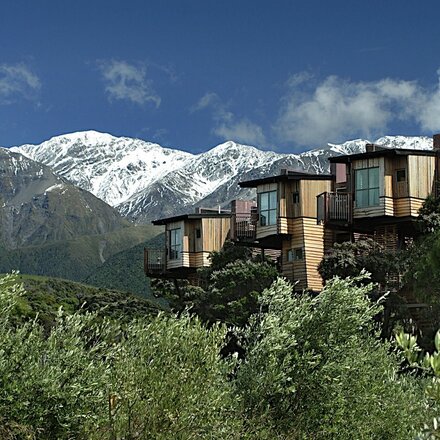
93, 379
348, 259
430, 364
316, 369
229, 288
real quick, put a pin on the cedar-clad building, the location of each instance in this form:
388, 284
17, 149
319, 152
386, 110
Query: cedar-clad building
189, 239
378, 193
285, 220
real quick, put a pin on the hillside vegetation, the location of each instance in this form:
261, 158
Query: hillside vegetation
125, 271
44, 296
74, 259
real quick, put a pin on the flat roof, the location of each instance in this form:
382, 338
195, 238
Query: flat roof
195, 216
290, 175
346, 158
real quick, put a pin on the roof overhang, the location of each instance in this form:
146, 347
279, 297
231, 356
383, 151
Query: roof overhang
284, 178
390, 152
196, 216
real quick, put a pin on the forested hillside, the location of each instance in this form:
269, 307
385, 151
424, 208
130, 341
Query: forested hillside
44, 296
74, 259
125, 269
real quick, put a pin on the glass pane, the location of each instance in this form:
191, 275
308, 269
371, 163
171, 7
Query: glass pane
264, 201
401, 175
341, 172
175, 237
373, 177
273, 200
362, 199
361, 179
263, 221
272, 220
295, 197
373, 199
298, 254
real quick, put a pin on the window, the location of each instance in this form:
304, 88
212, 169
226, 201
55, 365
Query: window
298, 253
267, 207
295, 254
401, 175
367, 187
295, 197
198, 233
175, 244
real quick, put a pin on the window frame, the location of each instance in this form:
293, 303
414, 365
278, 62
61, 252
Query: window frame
397, 175
295, 254
175, 243
368, 189
295, 197
266, 216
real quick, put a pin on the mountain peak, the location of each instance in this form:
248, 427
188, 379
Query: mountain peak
144, 180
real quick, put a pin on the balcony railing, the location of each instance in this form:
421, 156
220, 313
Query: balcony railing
154, 261
334, 207
244, 226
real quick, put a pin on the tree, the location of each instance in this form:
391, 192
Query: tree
315, 368
350, 258
429, 215
229, 287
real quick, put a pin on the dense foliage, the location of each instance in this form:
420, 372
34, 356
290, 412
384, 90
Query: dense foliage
89, 379
429, 363
350, 258
229, 287
315, 368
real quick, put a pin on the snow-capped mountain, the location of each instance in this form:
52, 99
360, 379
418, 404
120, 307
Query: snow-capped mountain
38, 206
112, 168
145, 181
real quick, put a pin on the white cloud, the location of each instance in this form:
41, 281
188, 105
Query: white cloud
124, 81
428, 109
17, 81
226, 125
337, 109
242, 131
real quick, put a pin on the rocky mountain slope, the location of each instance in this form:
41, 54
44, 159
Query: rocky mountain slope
38, 206
146, 181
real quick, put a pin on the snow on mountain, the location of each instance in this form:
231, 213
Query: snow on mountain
112, 168
145, 181
407, 142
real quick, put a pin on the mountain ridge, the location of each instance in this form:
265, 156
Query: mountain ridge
144, 180
38, 206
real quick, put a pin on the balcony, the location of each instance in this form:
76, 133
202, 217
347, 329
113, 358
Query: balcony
154, 261
244, 226
334, 208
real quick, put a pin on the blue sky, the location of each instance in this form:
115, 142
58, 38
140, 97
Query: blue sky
189, 74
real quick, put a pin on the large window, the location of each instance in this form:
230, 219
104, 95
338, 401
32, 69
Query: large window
367, 187
175, 243
267, 208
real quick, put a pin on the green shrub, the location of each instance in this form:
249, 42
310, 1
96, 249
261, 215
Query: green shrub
92, 378
315, 368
